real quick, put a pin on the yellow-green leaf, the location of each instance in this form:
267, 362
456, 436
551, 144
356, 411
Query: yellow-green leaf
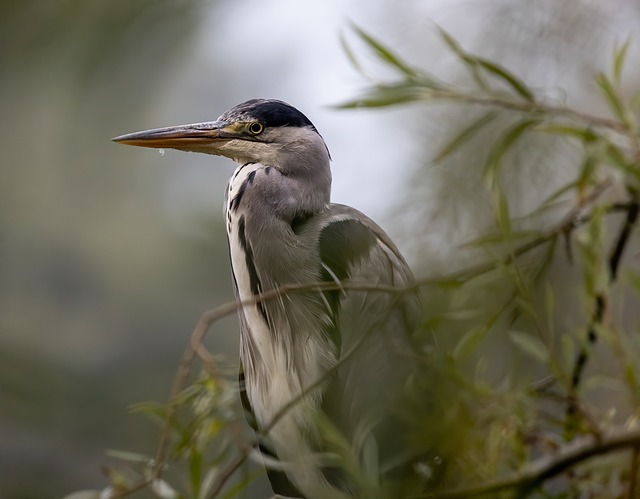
384, 53
619, 60
530, 345
613, 99
465, 135
503, 144
469, 342
513, 81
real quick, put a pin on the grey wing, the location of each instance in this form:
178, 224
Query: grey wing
374, 330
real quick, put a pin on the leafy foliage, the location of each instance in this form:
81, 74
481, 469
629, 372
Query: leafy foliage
530, 419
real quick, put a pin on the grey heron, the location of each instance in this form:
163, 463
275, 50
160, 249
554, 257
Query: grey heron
346, 354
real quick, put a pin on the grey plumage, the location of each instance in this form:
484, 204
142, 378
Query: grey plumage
355, 346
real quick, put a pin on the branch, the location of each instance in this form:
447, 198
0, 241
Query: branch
537, 472
547, 110
632, 209
439, 94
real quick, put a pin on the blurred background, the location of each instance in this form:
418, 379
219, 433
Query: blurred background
109, 254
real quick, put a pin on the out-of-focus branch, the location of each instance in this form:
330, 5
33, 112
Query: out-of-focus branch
632, 209
537, 472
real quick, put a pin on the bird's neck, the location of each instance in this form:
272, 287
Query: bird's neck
268, 195
264, 209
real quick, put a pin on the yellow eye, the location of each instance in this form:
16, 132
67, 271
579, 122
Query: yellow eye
255, 128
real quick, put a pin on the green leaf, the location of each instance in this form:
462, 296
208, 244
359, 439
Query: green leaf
589, 167
465, 135
195, 470
469, 342
513, 81
385, 54
506, 141
388, 95
634, 278
560, 192
133, 457
584, 134
453, 44
630, 377
616, 157
158, 413
530, 345
464, 314
618, 61
350, 55
470, 60
615, 104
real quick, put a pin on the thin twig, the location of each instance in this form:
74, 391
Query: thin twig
535, 108
546, 110
632, 209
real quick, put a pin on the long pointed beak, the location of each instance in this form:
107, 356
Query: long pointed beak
201, 137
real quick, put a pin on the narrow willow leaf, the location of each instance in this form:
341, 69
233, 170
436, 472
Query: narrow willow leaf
385, 54
469, 342
525, 307
195, 471
470, 60
530, 345
452, 43
586, 174
539, 269
514, 82
350, 55
153, 411
502, 145
388, 95
133, 457
465, 135
615, 156
615, 104
634, 278
630, 377
619, 60
584, 134
464, 314
557, 194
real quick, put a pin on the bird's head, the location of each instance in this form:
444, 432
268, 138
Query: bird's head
264, 131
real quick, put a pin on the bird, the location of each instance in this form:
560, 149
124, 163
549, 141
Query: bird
343, 355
